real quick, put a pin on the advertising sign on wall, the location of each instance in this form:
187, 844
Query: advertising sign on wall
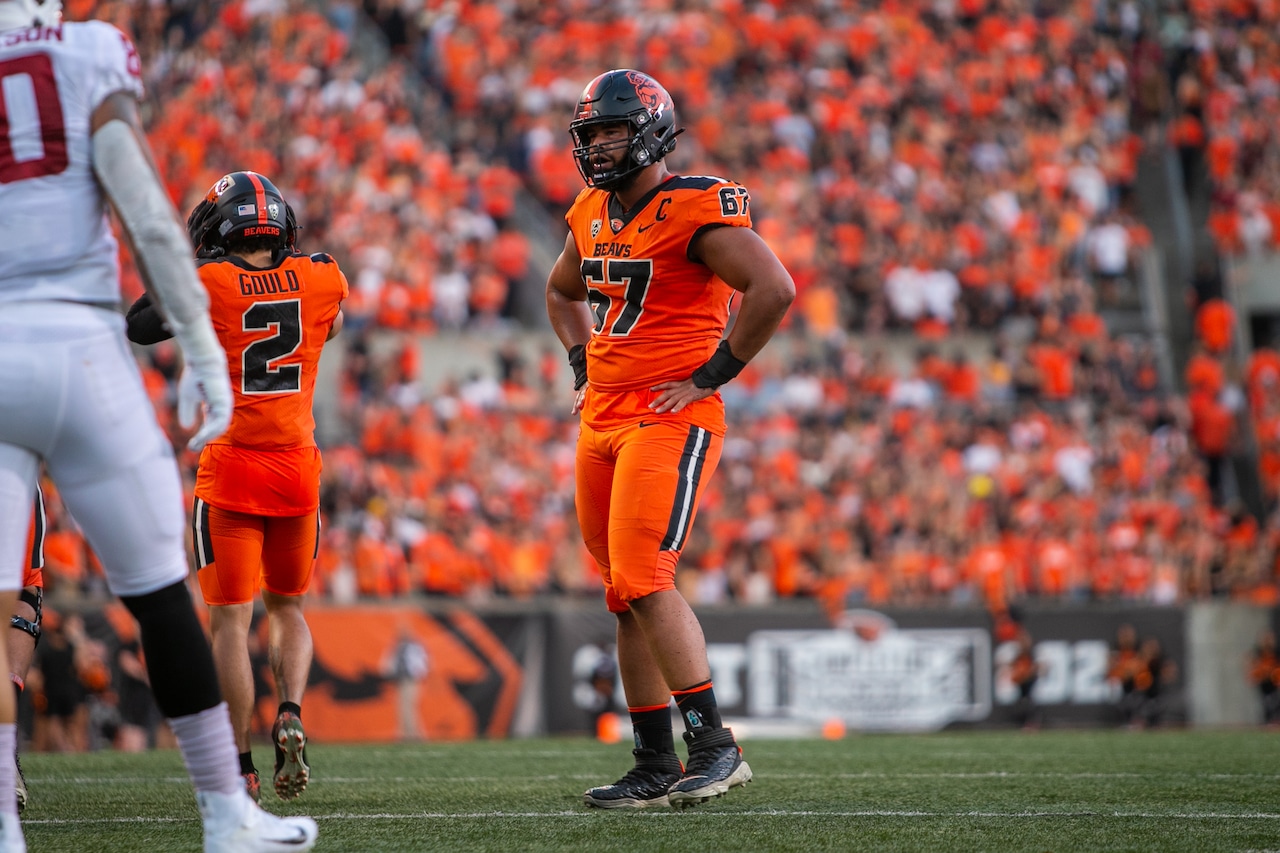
405, 672
912, 680
897, 670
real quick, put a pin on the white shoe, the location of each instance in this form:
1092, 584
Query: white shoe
11, 840
233, 823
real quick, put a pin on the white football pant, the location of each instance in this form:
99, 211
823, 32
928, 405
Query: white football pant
71, 395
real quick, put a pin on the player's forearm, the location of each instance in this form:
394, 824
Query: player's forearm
763, 306
570, 318
161, 247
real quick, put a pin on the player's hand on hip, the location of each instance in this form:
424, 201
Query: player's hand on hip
204, 381
579, 397
674, 396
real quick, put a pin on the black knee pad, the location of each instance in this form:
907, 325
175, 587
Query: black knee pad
179, 660
31, 626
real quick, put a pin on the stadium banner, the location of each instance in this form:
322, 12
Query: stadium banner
441, 671
885, 670
388, 673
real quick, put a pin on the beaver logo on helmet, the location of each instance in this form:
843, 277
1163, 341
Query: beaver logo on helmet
623, 96
216, 191
653, 96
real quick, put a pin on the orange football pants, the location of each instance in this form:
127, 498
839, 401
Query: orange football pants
638, 489
237, 553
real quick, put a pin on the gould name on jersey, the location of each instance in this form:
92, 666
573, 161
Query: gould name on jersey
275, 281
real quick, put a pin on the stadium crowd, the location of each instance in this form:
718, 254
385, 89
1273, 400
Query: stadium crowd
958, 176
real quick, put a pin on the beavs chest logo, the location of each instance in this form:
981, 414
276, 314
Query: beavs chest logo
611, 250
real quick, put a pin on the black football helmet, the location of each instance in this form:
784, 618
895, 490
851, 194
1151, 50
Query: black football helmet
241, 206
623, 95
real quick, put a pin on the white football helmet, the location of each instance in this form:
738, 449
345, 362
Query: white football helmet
30, 13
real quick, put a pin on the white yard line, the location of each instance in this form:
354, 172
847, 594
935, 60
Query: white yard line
671, 813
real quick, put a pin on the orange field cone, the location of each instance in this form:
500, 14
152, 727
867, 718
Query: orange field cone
607, 728
833, 729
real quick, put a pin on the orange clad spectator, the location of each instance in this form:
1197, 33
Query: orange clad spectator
1187, 131
962, 382
511, 254
436, 559
820, 307
987, 567
1057, 568
1224, 225
1204, 374
380, 567
66, 557
1136, 571
1212, 425
1215, 324
1057, 373
1263, 375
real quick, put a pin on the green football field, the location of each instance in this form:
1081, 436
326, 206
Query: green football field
1044, 791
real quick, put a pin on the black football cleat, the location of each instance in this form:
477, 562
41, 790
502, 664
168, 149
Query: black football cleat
644, 786
292, 771
715, 766
253, 785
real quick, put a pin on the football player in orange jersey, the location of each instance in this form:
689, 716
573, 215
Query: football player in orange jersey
640, 297
256, 521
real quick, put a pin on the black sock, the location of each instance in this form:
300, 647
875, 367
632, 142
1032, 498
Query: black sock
652, 727
698, 707
246, 764
296, 710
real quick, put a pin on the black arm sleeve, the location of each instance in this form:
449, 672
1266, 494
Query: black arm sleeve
146, 326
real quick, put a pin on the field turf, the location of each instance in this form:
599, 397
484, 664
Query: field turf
972, 791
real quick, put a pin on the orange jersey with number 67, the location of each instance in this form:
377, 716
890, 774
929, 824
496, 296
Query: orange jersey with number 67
659, 314
273, 323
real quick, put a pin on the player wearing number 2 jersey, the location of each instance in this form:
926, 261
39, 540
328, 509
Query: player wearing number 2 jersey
256, 517
640, 298
71, 397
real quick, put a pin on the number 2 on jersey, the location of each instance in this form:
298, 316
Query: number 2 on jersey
257, 374
632, 276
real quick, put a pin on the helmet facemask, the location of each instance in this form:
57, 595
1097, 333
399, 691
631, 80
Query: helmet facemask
630, 98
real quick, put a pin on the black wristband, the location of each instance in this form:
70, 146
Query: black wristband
719, 369
578, 361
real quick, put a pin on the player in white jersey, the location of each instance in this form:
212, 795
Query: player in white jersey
71, 395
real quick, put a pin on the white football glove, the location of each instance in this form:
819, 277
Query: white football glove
204, 381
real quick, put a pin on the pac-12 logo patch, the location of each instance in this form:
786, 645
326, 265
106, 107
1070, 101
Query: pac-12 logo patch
595, 228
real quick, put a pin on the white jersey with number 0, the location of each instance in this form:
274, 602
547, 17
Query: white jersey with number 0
55, 240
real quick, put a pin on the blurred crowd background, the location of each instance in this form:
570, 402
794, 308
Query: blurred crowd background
965, 407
